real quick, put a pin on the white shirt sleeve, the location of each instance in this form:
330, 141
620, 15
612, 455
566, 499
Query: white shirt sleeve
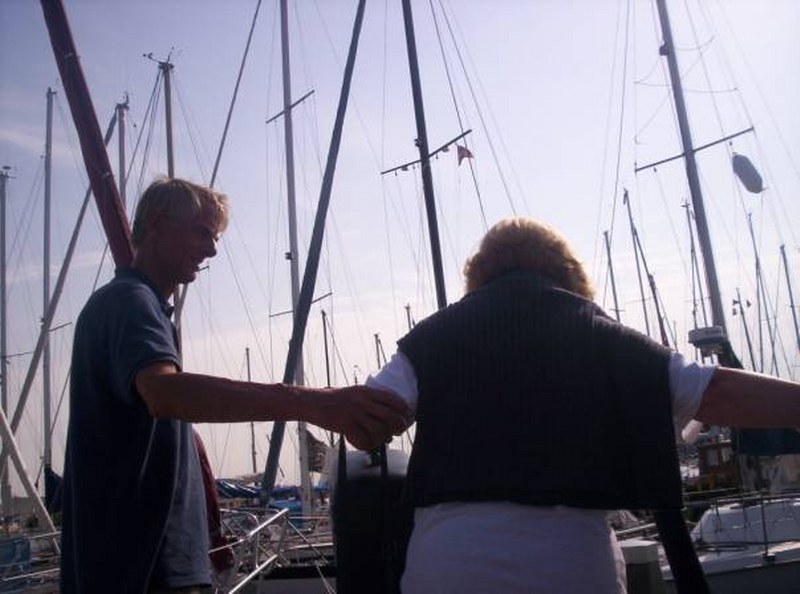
688, 381
397, 376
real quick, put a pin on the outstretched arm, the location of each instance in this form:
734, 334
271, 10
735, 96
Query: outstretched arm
364, 415
738, 398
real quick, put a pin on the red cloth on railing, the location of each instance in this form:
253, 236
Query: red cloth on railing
222, 559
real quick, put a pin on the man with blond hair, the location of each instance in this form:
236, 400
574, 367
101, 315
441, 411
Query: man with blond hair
134, 505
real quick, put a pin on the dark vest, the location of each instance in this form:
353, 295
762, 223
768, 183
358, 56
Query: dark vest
531, 394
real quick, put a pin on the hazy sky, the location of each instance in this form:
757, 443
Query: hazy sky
555, 135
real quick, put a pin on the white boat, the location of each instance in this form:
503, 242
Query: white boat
750, 545
472, 235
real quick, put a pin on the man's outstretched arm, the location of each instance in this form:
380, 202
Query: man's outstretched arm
366, 416
737, 398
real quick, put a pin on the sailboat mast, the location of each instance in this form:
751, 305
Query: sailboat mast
328, 382
686, 569
294, 254
5, 485
312, 261
46, 388
759, 298
791, 296
10, 447
121, 168
424, 156
637, 257
49, 314
668, 50
409, 321
166, 70
739, 303
288, 136
611, 274
662, 327
252, 425
325, 346
697, 283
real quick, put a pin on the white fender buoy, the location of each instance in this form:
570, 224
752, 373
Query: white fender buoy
747, 174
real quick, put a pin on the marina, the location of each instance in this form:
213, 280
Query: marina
364, 299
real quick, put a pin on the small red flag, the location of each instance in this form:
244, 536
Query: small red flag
463, 153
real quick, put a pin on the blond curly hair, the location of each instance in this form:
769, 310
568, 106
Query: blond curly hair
525, 244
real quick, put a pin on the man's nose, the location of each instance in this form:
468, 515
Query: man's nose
211, 248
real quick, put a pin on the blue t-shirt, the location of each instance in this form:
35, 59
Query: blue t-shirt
134, 507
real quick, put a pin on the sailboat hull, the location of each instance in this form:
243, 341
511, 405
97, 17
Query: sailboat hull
778, 577
731, 546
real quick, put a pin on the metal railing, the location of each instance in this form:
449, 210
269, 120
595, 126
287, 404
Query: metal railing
256, 546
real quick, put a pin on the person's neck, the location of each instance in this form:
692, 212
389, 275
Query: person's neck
145, 266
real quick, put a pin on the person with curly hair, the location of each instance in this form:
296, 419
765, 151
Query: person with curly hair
537, 414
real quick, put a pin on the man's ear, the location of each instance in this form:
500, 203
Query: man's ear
156, 225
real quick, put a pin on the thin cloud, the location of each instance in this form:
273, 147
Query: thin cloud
31, 142
23, 140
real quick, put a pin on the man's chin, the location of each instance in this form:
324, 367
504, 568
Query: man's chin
188, 278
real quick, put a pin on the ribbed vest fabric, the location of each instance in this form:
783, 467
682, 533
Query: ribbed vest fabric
531, 394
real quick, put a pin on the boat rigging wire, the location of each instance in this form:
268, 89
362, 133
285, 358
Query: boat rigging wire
668, 212
740, 104
337, 352
663, 318
314, 142
147, 129
312, 261
789, 290
458, 113
391, 202
192, 132
778, 129
778, 334
482, 119
235, 95
73, 151
667, 99
620, 124
642, 80
763, 304
620, 130
697, 281
638, 257
183, 292
448, 233
151, 105
54, 424
48, 315
382, 165
22, 230
333, 236
741, 312
245, 304
271, 269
